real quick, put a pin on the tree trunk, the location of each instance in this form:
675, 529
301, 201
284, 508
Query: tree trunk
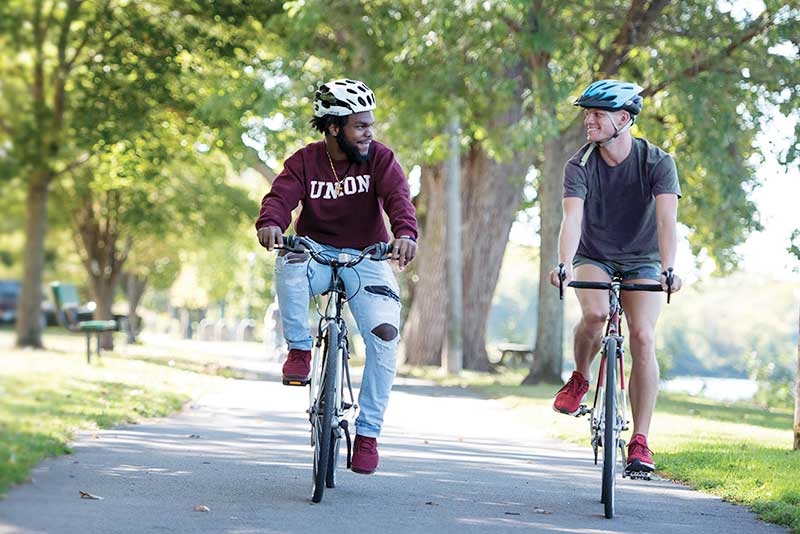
29, 311
424, 332
134, 290
103, 259
549, 349
492, 192
103, 287
797, 394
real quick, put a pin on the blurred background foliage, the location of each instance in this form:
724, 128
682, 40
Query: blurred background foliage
137, 138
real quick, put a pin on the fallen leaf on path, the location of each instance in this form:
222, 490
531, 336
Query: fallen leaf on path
194, 436
201, 508
85, 495
431, 503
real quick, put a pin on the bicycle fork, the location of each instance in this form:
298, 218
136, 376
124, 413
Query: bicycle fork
598, 418
344, 411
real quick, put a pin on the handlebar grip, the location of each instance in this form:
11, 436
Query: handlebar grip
670, 279
293, 243
381, 251
561, 276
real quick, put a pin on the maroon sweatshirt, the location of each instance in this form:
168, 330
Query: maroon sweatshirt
353, 219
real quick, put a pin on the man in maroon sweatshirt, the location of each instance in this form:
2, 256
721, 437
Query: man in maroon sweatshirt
344, 183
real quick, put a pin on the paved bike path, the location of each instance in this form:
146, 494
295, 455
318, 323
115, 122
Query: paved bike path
450, 463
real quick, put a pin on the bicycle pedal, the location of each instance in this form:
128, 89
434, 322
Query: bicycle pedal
637, 475
582, 411
294, 382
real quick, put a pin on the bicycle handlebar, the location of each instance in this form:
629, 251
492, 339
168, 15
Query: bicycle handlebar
377, 252
607, 285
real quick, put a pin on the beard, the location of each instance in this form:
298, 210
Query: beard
350, 149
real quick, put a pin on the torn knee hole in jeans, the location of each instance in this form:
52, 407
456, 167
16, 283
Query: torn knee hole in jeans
294, 257
385, 331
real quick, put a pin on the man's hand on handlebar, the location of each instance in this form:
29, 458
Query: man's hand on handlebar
670, 281
270, 237
566, 272
403, 250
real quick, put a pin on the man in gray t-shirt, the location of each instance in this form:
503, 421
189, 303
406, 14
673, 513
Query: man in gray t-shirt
620, 215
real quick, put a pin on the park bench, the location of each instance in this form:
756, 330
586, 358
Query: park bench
514, 355
70, 317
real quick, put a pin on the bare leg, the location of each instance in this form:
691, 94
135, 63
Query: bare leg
642, 310
594, 308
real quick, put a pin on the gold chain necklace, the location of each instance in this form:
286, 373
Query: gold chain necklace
335, 176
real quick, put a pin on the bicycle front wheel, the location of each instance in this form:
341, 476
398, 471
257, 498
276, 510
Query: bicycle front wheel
336, 435
324, 413
333, 460
609, 430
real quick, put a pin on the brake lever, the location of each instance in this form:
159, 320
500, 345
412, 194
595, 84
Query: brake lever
293, 243
670, 279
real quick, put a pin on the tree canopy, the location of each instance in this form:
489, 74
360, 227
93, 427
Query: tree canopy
105, 97
124, 105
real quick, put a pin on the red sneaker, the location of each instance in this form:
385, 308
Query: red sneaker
568, 399
640, 457
297, 367
365, 455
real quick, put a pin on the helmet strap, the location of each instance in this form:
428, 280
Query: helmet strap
617, 131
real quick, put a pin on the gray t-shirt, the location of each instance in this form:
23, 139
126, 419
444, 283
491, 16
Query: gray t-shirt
619, 212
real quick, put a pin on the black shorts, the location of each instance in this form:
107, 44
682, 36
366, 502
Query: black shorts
630, 269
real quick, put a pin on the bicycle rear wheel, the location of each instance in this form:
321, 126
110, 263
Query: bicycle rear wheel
324, 407
609, 431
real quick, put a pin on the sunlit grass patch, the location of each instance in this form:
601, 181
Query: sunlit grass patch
737, 451
47, 396
743, 470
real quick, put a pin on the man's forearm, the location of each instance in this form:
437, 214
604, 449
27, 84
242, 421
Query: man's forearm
568, 240
667, 244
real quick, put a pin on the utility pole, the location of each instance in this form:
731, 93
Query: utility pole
796, 445
453, 359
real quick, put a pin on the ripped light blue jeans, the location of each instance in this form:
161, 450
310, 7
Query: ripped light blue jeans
375, 305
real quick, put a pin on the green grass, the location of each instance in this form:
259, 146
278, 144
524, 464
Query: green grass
740, 452
48, 396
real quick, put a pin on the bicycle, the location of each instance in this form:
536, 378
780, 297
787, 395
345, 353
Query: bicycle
609, 395
330, 412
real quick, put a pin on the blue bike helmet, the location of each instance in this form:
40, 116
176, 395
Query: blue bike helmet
612, 95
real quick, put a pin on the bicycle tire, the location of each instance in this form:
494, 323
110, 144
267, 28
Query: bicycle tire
336, 441
609, 433
333, 460
323, 422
